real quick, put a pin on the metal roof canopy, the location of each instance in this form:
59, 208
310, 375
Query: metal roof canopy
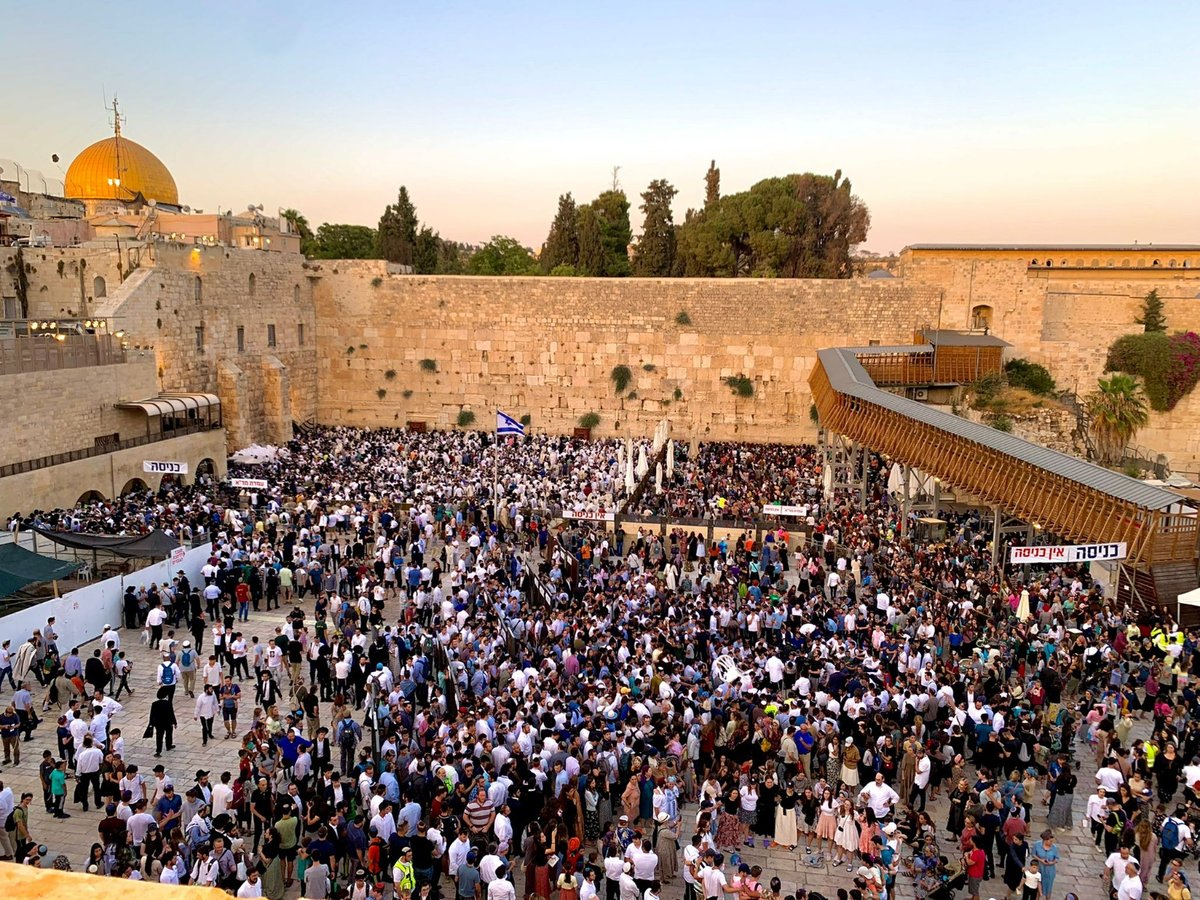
945, 338
847, 376
172, 403
1041, 248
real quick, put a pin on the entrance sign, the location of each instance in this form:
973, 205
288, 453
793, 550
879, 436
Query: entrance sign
1072, 554
586, 517
154, 467
259, 484
178, 555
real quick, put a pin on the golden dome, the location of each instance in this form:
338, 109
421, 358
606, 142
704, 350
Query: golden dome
95, 173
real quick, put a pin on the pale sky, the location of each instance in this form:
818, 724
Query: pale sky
956, 121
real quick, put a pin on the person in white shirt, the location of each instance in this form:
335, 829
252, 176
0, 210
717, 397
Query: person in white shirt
879, 796
252, 886
500, 888
205, 869
1097, 812
1131, 887
1117, 863
1110, 778
920, 780
222, 795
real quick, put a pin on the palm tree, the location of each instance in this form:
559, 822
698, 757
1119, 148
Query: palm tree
299, 223
1118, 409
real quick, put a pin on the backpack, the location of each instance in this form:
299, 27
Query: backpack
186, 658
1170, 834
168, 674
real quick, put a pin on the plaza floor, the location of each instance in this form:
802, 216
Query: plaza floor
1078, 871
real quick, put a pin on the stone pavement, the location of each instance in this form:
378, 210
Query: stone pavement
1077, 872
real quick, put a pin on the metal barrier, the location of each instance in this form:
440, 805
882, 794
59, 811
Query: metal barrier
57, 459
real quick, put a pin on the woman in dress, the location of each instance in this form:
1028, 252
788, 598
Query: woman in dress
1014, 863
827, 825
270, 866
667, 847
591, 813
630, 798
747, 811
833, 762
1047, 854
868, 830
959, 798
809, 806
908, 768
567, 888
768, 804
728, 827
850, 760
785, 819
646, 795
846, 836
1064, 794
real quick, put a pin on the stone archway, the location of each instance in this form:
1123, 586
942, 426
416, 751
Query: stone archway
89, 497
134, 485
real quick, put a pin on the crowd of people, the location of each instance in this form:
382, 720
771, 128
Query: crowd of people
729, 481
458, 700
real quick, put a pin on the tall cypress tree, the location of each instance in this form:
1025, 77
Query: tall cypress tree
656, 247
398, 230
712, 184
612, 207
562, 243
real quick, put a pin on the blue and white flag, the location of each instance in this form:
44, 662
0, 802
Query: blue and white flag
506, 424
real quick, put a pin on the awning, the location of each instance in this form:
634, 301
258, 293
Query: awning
155, 545
172, 404
20, 568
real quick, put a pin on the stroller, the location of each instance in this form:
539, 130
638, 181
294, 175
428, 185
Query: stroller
950, 884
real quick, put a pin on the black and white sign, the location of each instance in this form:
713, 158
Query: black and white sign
157, 467
1071, 554
255, 484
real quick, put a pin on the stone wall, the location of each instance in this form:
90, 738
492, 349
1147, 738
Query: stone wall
546, 347
208, 315
63, 485
61, 280
67, 409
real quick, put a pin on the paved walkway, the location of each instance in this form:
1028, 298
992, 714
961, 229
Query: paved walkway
1077, 872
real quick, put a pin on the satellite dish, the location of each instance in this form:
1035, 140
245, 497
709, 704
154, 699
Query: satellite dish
152, 203
187, 209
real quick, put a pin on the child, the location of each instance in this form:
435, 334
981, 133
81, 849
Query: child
1031, 883
302, 862
58, 789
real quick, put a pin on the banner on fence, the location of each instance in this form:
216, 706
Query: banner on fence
154, 467
259, 484
779, 509
587, 517
1069, 554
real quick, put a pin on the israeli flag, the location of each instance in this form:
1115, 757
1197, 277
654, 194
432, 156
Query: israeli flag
506, 424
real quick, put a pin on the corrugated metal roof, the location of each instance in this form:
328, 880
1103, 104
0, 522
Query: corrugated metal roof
945, 338
1042, 248
847, 376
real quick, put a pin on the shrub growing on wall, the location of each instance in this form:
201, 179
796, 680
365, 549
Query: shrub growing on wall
740, 385
621, 376
1169, 365
1036, 379
589, 420
466, 418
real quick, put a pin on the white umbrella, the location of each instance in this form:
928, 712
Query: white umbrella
656, 445
620, 457
895, 480
828, 482
642, 466
1023, 606
658, 478
671, 458
629, 474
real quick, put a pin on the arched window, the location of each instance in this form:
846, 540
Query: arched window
1033, 262
1049, 263
99, 288
1171, 264
251, 284
981, 317
199, 290
1156, 264
134, 485
296, 294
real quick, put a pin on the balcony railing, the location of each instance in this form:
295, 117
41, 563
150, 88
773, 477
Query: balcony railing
47, 352
57, 459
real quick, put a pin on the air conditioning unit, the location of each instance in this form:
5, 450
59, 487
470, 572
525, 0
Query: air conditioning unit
921, 394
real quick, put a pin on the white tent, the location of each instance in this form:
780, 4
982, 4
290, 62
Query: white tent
1191, 598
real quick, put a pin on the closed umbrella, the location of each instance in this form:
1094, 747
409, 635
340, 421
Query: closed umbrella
629, 482
658, 478
671, 458
642, 466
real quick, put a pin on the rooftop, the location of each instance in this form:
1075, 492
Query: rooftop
1042, 248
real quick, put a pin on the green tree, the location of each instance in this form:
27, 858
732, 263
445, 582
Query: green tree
612, 209
562, 243
1118, 410
591, 241
452, 257
397, 233
712, 184
1153, 318
656, 247
342, 242
797, 226
502, 256
425, 251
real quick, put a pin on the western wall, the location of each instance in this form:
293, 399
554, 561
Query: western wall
547, 347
